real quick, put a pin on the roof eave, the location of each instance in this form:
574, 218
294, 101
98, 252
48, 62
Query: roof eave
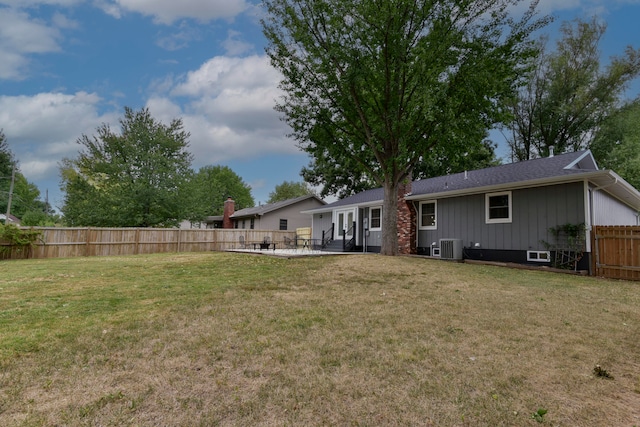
529, 183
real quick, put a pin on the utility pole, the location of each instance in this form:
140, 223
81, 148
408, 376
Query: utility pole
13, 177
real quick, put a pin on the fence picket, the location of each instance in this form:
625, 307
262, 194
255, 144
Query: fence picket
59, 242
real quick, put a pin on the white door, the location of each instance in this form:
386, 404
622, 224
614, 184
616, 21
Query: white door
344, 222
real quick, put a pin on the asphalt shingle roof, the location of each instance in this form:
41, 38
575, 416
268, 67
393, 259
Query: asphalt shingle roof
513, 173
263, 209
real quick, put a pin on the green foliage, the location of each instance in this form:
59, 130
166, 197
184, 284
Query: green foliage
132, 179
371, 88
19, 240
39, 218
539, 415
616, 145
568, 95
289, 190
568, 244
210, 187
25, 195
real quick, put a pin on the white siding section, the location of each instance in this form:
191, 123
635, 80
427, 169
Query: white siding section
608, 210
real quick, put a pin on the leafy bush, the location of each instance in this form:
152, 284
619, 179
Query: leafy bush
18, 240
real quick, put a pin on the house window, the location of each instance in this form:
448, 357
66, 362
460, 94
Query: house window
539, 256
375, 219
253, 223
283, 224
498, 207
428, 215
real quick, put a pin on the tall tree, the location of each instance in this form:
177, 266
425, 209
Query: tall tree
24, 194
211, 186
443, 159
289, 190
131, 179
376, 85
616, 145
569, 94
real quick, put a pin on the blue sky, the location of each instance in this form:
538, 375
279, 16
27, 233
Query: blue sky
66, 66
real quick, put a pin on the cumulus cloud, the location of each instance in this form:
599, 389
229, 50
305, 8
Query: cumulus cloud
21, 36
234, 46
43, 129
229, 110
169, 11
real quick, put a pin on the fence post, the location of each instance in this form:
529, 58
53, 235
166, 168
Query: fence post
86, 246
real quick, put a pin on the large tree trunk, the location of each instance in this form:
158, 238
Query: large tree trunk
390, 219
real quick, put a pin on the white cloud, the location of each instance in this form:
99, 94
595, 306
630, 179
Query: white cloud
168, 11
61, 21
30, 3
229, 74
587, 7
234, 46
180, 39
110, 9
42, 129
229, 111
21, 36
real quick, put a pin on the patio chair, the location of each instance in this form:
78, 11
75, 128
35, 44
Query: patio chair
241, 243
289, 243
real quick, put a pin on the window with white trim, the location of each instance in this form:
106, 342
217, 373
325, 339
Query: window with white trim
498, 207
375, 219
428, 215
539, 256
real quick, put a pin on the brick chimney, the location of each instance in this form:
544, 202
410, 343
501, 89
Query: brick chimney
407, 225
229, 209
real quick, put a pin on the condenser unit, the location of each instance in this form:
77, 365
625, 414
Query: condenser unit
451, 249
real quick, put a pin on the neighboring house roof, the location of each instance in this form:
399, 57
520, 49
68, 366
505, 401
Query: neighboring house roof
12, 219
569, 167
264, 209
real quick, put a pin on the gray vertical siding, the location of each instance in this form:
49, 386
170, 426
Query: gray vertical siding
320, 224
534, 211
610, 211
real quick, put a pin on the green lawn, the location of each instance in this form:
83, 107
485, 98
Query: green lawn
364, 340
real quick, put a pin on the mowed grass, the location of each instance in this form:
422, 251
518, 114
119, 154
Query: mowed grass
236, 339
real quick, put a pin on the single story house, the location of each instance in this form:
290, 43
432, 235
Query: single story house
283, 215
509, 213
10, 219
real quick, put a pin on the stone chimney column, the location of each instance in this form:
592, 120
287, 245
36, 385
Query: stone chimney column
229, 209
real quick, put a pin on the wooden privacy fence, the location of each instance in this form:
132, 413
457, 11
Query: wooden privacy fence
615, 252
73, 242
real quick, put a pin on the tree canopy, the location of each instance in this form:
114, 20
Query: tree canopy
569, 94
210, 187
25, 196
373, 87
134, 178
289, 190
616, 145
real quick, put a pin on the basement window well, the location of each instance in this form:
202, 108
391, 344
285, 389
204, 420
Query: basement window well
539, 256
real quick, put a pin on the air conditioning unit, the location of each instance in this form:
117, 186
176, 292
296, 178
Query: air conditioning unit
451, 249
